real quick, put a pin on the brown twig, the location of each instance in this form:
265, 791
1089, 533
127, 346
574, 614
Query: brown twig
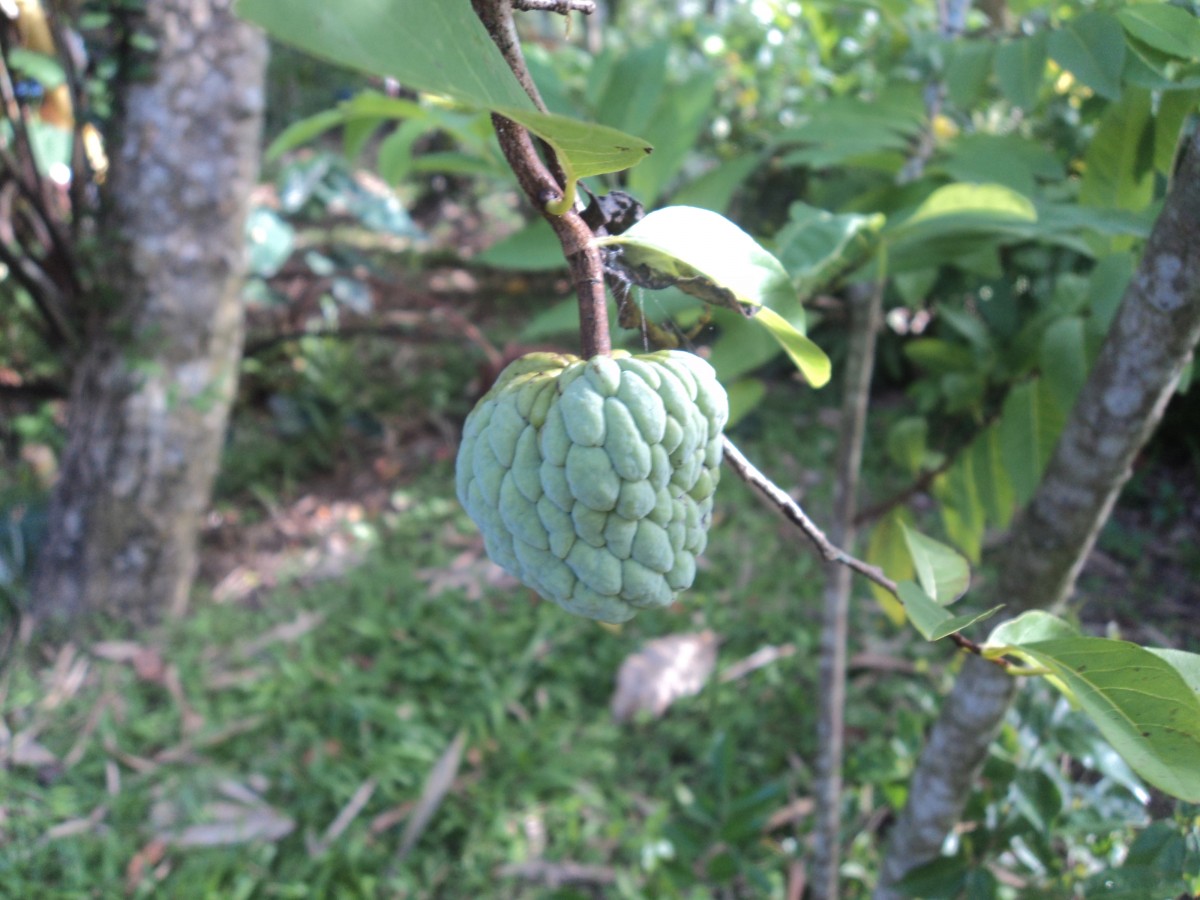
542, 188
562, 7
779, 499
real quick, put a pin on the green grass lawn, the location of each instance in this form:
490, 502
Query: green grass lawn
411, 729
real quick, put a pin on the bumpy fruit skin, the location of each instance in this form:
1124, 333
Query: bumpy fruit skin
592, 482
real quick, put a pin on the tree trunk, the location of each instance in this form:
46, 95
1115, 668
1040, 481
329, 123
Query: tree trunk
865, 303
1150, 342
151, 395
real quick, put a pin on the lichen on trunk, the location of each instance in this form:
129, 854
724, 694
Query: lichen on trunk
150, 397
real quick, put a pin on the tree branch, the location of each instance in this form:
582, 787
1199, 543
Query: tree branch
1153, 336
779, 499
864, 306
542, 188
562, 7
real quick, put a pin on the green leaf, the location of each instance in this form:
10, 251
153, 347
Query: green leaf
1092, 48
685, 242
674, 131
963, 514
1029, 627
888, 550
1141, 704
993, 484
930, 618
942, 571
1174, 108
1063, 360
1008, 159
817, 247
744, 395
41, 67
810, 359
1119, 163
440, 48
957, 220
1186, 664
715, 188
535, 248
1017, 431
1171, 29
1020, 69
908, 442
967, 71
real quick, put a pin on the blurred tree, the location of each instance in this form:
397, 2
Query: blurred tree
151, 391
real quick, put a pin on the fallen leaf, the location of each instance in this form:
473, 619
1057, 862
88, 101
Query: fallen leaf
666, 669
437, 783
764, 656
557, 874
343, 819
470, 572
233, 823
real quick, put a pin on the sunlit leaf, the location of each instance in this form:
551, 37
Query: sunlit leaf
804, 354
887, 549
710, 257
1140, 702
440, 48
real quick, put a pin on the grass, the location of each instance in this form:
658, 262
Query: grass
319, 714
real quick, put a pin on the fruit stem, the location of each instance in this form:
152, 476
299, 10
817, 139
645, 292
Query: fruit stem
547, 192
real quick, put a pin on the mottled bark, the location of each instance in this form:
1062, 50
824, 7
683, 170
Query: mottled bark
1151, 340
151, 395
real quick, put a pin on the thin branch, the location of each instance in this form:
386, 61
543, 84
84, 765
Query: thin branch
496, 16
865, 302
542, 188
778, 498
562, 7
919, 486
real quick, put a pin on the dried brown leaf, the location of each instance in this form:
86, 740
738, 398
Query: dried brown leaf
666, 669
558, 874
437, 784
343, 819
764, 656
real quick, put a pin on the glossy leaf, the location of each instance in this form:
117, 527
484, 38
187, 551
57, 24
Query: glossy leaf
1029, 627
810, 359
1186, 664
708, 256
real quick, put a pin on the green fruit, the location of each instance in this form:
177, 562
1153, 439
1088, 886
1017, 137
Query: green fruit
593, 481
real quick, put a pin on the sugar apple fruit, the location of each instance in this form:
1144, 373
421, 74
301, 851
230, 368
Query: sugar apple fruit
592, 482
